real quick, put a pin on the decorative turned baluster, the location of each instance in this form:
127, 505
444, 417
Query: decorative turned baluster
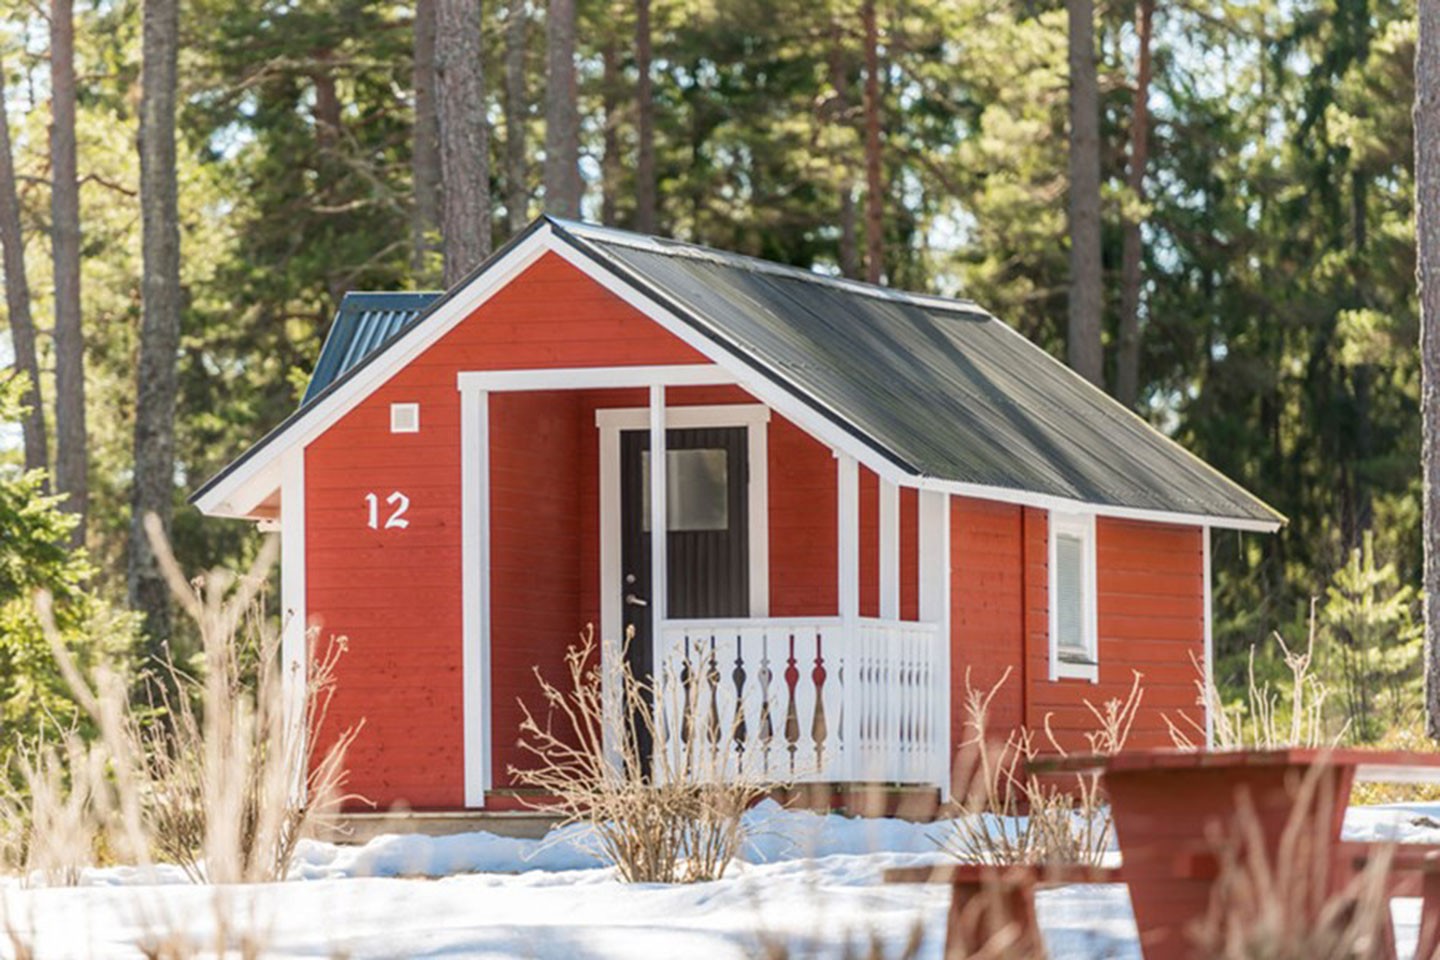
712, 682
737, 676
767, 727
792, 721
818, 729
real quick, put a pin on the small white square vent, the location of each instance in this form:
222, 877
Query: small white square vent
404, 418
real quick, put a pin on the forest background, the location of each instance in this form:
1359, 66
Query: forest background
1207, 206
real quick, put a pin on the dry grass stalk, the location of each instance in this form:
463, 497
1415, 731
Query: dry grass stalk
1259, 723
1013, 816
1285, 903
214, 785
677, 818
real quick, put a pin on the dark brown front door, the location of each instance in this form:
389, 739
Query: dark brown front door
707, 544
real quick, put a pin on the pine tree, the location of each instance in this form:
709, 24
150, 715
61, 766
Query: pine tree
156, 382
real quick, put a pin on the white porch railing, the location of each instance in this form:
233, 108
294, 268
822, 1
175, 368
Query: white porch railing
809, 699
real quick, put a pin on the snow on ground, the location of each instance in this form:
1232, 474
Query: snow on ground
812, 882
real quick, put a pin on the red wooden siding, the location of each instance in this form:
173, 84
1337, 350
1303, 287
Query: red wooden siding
536, 561
909, 554
1150, 582
986, 608
803, 526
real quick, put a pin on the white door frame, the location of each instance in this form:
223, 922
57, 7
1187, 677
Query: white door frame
755, 418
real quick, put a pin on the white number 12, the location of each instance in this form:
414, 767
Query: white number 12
399, 501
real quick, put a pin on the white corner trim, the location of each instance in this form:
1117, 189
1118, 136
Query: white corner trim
294, 637
1209, 666
934, 566
475, 592
1082, 526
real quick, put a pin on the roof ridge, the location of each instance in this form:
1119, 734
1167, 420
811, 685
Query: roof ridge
695, 251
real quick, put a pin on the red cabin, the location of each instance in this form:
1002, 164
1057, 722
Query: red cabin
862, 496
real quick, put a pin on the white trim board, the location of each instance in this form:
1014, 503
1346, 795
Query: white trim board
1082, 527
475, 592
295, 624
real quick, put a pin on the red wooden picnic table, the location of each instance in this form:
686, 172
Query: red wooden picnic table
1170, 807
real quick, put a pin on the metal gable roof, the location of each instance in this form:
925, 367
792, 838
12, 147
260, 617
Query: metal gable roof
939, 387
364, 324
944, 388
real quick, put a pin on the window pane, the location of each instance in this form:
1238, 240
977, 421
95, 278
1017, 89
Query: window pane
696, 491
1069, 596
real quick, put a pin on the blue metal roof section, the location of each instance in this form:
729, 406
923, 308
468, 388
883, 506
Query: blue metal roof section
365, 323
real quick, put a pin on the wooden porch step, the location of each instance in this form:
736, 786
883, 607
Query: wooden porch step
359, 828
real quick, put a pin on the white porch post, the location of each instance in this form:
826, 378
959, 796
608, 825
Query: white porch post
294, 639
1208, 590
659, 522
934, 546
847, 568
889, 550
475, 593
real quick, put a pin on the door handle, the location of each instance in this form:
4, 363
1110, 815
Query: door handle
635, 601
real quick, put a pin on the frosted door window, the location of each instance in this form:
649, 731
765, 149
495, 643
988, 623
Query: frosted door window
696, 490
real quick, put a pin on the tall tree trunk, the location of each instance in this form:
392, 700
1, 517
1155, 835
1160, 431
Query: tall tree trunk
849, 251
1085, 294
645, 178
71, 454
562, 115
425, 150
17, 298
1427, 220
464, 138
610, 167
1127, 360
874, 185
154, 486
517, 175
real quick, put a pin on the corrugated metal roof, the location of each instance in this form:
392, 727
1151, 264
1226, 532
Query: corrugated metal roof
941, 386
364, 324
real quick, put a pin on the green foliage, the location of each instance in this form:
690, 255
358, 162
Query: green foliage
1375, 646
35, 557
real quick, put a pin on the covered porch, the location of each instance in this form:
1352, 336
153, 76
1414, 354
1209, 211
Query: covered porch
687, 500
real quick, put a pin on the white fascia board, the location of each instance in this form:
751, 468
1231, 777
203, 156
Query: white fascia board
1045, 501
326, 412
245, 496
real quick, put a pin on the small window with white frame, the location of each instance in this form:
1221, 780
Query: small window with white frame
1074, 628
